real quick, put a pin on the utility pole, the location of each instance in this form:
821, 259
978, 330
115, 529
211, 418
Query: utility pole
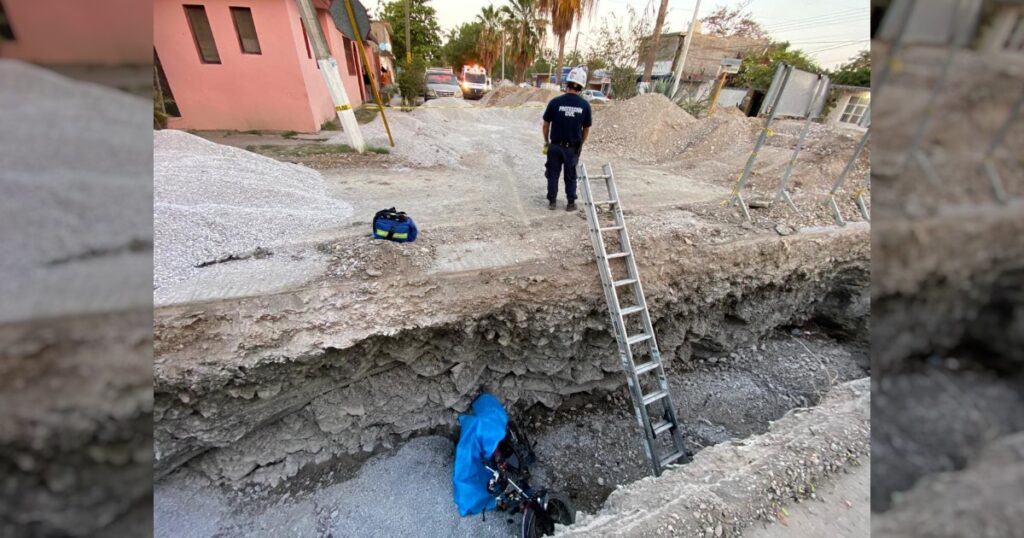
408, 38
329, 70
686, 48
366, 67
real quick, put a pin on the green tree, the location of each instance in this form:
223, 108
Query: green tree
411, 80
488, 45
757, 70
525, 31
460, 48
856, 72
423, 28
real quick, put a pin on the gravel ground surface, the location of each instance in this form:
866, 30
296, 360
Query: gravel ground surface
840, 509
214, 203
586, 450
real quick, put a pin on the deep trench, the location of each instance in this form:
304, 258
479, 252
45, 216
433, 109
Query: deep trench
959, 385
734, 365
306, 411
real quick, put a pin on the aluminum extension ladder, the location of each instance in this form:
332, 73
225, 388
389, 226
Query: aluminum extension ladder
658, 396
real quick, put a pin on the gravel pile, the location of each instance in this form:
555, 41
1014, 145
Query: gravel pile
74, 195
213, 202
648, 127
516, 96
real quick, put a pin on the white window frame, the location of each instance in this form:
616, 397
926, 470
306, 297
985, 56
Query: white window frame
855, 109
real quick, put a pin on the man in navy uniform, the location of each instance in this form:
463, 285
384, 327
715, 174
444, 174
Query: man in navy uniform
566, 126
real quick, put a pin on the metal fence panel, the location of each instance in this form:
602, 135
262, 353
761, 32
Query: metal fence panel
798, 96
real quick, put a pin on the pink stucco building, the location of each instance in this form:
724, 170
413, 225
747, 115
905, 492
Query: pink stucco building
247, 64
59, 32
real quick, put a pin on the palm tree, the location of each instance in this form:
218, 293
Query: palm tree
525, 31
488, 47
564, 14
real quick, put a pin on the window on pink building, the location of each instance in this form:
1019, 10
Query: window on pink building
6, 32
203, 34
350, 55
246, 30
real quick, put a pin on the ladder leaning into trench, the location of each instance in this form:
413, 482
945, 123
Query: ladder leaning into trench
647, 381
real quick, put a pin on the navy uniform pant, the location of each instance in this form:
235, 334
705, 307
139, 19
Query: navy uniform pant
561, 159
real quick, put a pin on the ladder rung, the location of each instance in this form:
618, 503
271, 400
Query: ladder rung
610, 228
624, 282
616, 255
661, 427
631, 310
597, 177
671, 458
646, 367
606, 202
638, 338
654, 396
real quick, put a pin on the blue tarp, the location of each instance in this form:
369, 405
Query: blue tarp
480, 433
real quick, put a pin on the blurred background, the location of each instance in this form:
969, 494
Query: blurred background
948, 268
76, 268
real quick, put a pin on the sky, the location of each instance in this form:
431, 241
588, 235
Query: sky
830, 31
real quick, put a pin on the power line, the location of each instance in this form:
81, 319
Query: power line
858, 13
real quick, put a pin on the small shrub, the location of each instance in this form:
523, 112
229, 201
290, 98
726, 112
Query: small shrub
256, 132
623, 82
411, 81
289, 134
331, 125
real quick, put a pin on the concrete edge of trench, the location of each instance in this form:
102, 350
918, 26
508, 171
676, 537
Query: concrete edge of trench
729, 486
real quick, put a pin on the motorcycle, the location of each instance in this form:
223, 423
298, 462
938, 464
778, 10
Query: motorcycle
510, 484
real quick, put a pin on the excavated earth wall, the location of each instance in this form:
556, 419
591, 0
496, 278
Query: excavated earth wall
251, 391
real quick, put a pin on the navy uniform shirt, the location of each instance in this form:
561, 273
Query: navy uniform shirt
569, 114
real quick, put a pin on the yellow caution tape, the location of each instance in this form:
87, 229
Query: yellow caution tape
342, 108
769, 132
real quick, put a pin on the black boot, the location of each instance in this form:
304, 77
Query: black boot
571, 206
551, 205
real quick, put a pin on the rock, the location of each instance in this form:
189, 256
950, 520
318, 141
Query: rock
784, 230
719, 531
759, 203
600, 481
374, 272
747, 225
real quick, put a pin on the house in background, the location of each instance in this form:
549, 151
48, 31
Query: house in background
852, 106
247, 64
702, 60
380, 39
58, 32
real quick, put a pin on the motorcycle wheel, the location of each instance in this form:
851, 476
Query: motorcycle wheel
559, 510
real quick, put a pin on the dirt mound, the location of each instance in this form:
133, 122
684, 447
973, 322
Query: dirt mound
721, 136
649, 128
516, 96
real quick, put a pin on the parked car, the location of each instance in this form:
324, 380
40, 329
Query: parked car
595, 96
441, 82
